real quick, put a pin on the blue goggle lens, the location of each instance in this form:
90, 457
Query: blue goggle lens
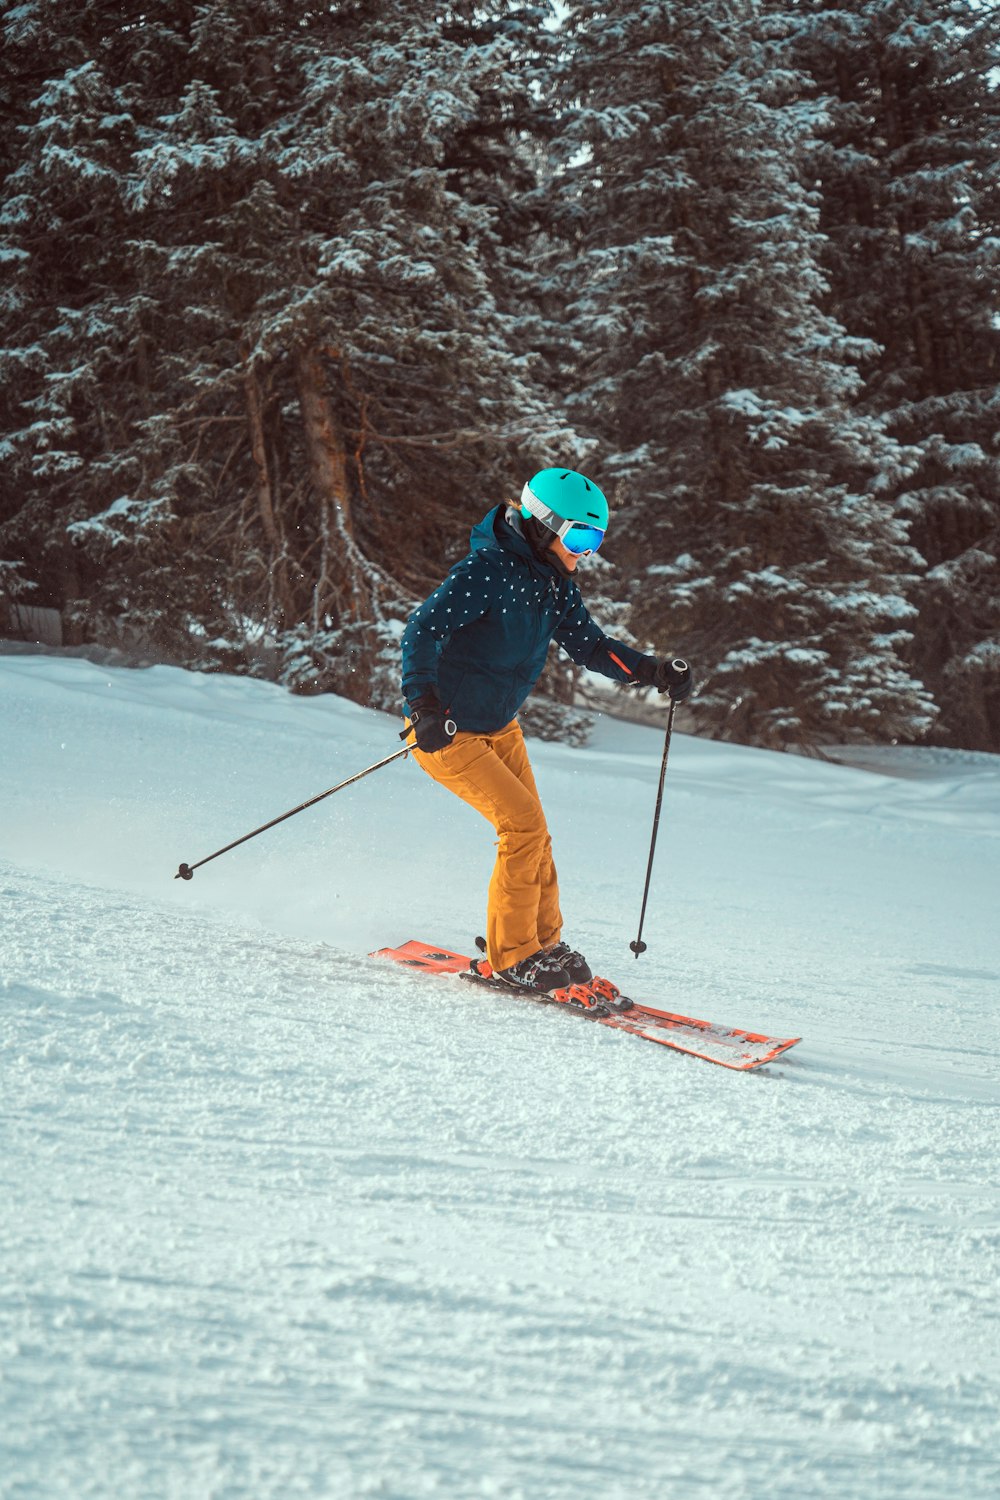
581, 539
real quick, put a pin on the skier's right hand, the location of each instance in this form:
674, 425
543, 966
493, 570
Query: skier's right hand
434, 731
673, 677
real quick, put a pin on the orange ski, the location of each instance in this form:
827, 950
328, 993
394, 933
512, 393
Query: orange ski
603, 1002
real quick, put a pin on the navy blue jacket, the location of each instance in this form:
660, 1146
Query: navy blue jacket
482, 637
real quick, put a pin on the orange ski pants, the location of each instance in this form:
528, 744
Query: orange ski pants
492, 773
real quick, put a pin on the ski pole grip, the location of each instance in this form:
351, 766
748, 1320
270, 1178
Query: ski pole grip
679, 664
450, 727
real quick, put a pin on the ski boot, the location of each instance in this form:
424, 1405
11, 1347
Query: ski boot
602, 992
540, 972
574, 963
541, 975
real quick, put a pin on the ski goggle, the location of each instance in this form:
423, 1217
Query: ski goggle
576, 536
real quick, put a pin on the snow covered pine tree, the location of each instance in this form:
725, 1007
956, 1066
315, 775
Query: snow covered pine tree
761, 532
909, 166
281, 328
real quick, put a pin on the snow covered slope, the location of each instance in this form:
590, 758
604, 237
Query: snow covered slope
278, 1221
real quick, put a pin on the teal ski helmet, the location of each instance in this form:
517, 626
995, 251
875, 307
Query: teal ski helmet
570, 505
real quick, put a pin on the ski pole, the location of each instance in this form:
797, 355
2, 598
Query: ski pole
186, 872
639, 946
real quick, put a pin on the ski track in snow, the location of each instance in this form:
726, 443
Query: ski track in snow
281, 1221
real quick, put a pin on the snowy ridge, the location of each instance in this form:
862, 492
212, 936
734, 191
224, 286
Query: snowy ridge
276, 1222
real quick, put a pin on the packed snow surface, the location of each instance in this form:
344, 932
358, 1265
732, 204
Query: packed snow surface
279, 1220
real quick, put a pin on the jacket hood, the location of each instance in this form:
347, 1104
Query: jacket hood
495, 530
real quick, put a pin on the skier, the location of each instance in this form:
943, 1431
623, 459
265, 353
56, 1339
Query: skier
472, 652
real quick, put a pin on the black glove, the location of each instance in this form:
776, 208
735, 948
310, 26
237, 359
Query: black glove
427, 718
673, 677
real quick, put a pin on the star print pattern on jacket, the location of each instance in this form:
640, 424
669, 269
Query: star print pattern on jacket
482, 637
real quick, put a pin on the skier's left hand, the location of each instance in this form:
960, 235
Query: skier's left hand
434, 731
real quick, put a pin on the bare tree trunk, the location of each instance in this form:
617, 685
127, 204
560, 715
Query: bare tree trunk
258, 448
280, 604
341, 584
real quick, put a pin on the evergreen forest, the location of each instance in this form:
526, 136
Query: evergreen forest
291, 294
